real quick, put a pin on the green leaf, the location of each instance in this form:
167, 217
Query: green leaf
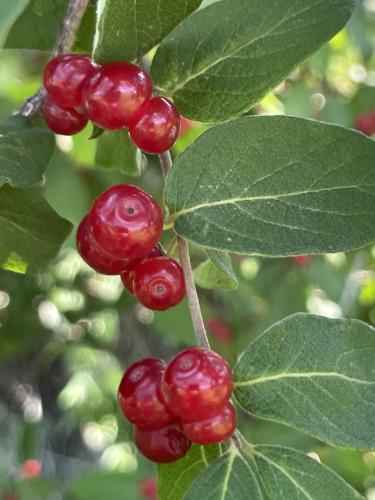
115, 151
31, 232
24, 153
128, 29
232, 477
224, 59
39, 24
174, 479
289, 474
104, 485
275, 186
10, 10
216, 272
314, 374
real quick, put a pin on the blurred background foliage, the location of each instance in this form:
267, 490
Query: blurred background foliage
67, 335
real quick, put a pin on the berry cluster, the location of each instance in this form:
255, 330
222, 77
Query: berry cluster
114, 96
120, 236
174, 405
366, 122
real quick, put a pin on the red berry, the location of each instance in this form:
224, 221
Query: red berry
156, 127
65, 76
31, 469
93, 255
116, 94
127, 274
63, 121
162, 445
219, 329
140, 395
149, 488
214, 429
159, 283
197, 384
366, 123
126, 221
302, 260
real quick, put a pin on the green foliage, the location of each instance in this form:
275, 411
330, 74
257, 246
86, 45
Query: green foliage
128, 29
115, 151
315, 374
174, 479
222, 60
31, 232
24, 153
269, 472
216, 272
275, 186
9, 12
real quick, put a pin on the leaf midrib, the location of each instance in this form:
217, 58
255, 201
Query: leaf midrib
286, 375
233, 201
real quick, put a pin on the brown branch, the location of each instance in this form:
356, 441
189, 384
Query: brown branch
64, 43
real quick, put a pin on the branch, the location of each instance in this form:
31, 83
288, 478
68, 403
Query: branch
64, 43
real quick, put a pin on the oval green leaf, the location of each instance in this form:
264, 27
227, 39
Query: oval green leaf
175, 478
115, 151
224, 59
10, 10
275, 186
128, 29
216, 272
314, 374
31, 232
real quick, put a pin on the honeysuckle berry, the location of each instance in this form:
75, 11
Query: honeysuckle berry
94, 255
140, 395
65, 77
63, 121
115, 95
156, 126
213, 429
127, 274
197, 384
126, 222
159, 283
163, 445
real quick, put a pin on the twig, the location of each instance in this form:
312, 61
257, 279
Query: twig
191, 293
64, 43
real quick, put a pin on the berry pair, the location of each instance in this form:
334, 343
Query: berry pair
115, 96
120, 236
174, 405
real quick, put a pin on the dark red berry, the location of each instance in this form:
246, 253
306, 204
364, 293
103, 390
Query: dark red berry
149, 488
93, 255
63, 121
126, 221
214, 429
140, 395
163, 445
127, 275
65, 76
159, 283
197, 384
220, 330
116, 94
156, 127
366, 123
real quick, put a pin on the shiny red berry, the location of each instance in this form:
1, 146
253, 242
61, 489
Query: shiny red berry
366, 123
93, 255
214, 429
156, 127
65, 76
159, 283
127, 274
140, 395
116, 94
197, 384
63, 121
163, 445
126, 221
